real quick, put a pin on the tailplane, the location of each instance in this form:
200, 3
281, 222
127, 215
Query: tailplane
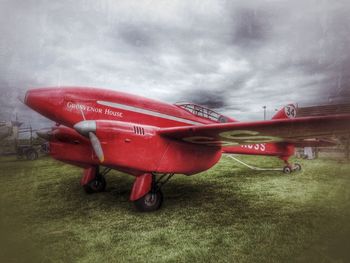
287, 112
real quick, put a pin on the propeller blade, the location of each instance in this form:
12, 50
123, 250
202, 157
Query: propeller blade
96, 145
88, 128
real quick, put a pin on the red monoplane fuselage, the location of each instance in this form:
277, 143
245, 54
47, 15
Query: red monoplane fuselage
147, 138
127, 128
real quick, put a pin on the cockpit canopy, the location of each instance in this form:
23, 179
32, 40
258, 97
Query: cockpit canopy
203, 112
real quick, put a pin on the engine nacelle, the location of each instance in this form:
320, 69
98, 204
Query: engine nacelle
132, 147
140, 147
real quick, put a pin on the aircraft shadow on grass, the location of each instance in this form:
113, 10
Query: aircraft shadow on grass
221, 205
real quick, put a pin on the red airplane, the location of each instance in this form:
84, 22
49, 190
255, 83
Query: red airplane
152, 140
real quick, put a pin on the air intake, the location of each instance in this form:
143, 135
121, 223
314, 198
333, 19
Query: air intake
139, 130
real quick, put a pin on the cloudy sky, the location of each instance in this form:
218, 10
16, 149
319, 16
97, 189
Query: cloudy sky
234, 56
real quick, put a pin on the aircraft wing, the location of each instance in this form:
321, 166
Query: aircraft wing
278, 130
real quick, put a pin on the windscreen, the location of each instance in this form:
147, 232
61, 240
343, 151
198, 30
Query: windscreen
202, 112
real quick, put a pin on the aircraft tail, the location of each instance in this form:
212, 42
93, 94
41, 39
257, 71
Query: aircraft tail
287, 112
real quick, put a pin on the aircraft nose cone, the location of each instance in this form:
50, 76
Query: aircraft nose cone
46, 101
30, 98
35, 97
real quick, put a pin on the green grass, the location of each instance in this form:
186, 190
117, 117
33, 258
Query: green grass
227, 214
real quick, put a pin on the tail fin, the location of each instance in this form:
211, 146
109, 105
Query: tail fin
287, 112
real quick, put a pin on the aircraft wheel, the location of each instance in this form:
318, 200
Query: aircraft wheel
96, 185
297, 167
152, 201
287, 170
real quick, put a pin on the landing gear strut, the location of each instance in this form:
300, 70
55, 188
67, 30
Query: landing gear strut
93, 180
153, 199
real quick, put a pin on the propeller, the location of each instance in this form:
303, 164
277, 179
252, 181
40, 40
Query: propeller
88, 129
96, 145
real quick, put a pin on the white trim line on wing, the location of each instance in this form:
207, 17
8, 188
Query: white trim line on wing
147, 112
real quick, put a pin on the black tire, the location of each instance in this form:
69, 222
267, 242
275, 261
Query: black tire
287, 170
96, 185
150, 202
297, 167
32, 155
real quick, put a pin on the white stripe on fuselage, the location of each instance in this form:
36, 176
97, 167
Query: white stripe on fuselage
147, 112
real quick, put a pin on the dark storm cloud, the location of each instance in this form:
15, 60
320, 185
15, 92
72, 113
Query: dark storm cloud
207, 98
251, 27
135, 35
235, 56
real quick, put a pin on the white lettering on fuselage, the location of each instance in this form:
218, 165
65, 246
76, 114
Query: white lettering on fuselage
86, 108
83, 107
258, 147
113, 113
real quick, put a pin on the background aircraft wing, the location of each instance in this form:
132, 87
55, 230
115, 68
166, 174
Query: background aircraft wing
278, 130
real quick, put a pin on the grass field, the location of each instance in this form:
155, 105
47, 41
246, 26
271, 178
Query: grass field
227, 214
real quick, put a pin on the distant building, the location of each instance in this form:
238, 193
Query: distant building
331, 109
320, 110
